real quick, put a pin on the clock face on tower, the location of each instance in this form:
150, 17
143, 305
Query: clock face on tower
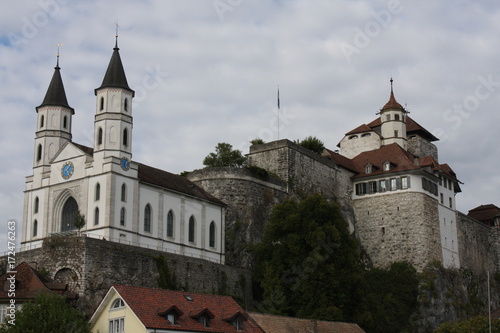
125, 163
67, 170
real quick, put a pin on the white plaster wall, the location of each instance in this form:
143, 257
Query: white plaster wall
356, 145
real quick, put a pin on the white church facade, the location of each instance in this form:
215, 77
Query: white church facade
122, 200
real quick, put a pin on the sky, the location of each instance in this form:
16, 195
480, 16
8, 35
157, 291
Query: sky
206, 72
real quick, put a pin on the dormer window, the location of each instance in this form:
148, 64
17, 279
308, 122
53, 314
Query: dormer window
172, 314
368, 168
204, 320
353, 137
203, 317
387, 166
236, 320
364, 135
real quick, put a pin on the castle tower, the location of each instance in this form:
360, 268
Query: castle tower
393, 118
113, 119
53, 128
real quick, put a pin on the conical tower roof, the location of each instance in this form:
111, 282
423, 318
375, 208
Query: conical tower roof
115, 74
392, 104
56, 96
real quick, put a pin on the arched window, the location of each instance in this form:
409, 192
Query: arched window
97, 192
170, 224
147, 218
211, 238
191, 230
96, 216
36, 206
42, 121
101, 104
35, 228
117, 303
99, 136
39, 153
125, 137
65, 122
122, 216
124, 193
69, 212
125, 104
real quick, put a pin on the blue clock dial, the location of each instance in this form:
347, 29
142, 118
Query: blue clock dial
67, 170
125, 163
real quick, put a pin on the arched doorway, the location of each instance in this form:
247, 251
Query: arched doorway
69, 212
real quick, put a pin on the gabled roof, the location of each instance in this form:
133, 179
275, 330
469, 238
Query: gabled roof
340, 160
115, 74
281, 324
29, 283
148, 305
56, 95
174, 182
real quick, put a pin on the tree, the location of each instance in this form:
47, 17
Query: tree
47, 313
308, 263
257, 141
224, 156
314, 144
79, 221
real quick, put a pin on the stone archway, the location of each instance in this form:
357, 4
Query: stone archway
68, 276
69, 211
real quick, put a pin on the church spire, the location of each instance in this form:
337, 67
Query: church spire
392, 104
56, 95
115, 74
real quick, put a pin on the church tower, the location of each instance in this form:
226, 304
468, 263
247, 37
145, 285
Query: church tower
113, 119
393, 118
53, 123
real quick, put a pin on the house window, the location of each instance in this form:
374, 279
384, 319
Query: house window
65, 122
396, 134
101, 104
97, 192
147, 218
451, 203
238, 323
441, 197
203, 319
394, 185
124, 193
42, 120
117, 325
35, 228
170, 224
99, 136
125, 104
382, 185
365, 135
360, 188
172, 318
122, 216
388, 117
372, 187
96, 216
3, 313
191, 229
396, 117
405, 182
37, 204
368, 168
353, 137
387, 166
117, 303
211, 241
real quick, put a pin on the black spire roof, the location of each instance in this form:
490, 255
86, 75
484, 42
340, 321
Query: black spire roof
56, 96
115, 74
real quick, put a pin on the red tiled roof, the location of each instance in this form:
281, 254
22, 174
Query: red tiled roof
280, 324
411, 127
484, 212
392, 104
360, 129
340, 160
30, 283
147, 303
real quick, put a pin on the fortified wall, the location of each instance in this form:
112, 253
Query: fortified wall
90, 266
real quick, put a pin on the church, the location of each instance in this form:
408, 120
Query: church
122, 200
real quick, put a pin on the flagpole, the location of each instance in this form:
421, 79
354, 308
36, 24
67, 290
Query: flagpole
278, 112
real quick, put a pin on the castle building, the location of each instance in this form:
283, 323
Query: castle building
122, 200
403, 199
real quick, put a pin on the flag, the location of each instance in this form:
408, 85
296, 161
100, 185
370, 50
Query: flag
278, 97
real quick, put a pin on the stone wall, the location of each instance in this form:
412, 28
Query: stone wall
421, 147
401, 226
478, 245
90, 266
250, 197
